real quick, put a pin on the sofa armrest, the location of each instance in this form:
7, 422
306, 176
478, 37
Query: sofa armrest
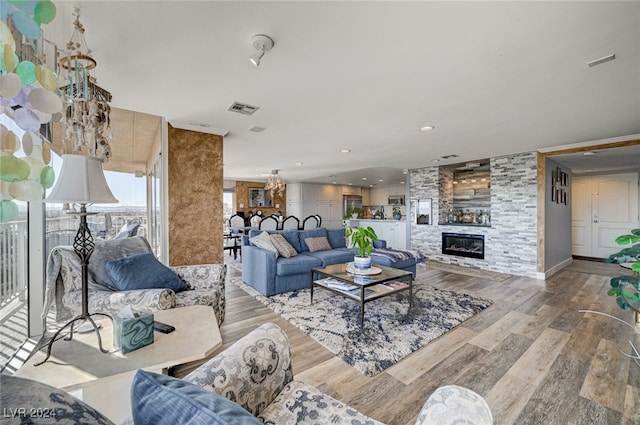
259, 269
252, 371
112, 302
453, 404
209, 278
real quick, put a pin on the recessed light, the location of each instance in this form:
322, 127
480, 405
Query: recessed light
589, 153
334, 182
380, 180
299, 163
435, 160
345, 150
364, 178
370, 185
427, 128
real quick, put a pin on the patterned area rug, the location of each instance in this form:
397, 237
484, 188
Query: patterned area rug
390, 333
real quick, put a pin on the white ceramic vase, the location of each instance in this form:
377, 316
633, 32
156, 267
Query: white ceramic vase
361, 262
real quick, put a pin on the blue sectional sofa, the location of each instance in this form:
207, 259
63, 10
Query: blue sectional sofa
271, 275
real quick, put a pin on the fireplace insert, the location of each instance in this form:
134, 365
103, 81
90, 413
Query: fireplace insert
463, 245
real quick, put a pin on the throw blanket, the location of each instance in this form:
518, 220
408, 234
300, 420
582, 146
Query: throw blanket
399, 254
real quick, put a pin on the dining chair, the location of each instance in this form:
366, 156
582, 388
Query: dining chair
268, 223
310, 222
291, 222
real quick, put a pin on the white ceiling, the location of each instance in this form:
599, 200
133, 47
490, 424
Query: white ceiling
493, 78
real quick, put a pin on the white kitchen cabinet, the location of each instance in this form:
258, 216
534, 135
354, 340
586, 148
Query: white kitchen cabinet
351, 190
392, 231
328, 192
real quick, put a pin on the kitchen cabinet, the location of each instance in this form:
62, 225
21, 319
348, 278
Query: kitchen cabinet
328, 192
378, 196
352, 190
366, 196
392, 231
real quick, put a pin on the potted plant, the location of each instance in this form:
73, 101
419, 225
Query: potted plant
353, 213
363, 238
626, 289
397, 214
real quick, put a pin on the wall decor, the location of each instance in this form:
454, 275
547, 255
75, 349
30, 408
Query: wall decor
559, 180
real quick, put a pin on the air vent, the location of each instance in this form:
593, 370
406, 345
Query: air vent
257, 129
449, 156
242, 108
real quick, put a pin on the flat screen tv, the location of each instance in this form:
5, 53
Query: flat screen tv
260, 198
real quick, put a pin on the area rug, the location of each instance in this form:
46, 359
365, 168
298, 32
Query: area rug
391, 331
468, 271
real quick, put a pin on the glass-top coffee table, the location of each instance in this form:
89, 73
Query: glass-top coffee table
362, 286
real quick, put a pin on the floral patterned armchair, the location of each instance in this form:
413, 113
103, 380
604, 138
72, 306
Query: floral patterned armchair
256, 373
206, 283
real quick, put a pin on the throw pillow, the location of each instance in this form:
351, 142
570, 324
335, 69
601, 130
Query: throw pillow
112, 249
160, 399
263, 240
143, 271
284, 248
319, 243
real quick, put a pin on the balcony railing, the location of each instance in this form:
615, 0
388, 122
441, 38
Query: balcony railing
60, 231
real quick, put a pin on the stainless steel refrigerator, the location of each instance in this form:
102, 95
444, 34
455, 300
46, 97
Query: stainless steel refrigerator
349, 202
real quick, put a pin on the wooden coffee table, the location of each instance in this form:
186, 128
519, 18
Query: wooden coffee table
381, 282
78, 365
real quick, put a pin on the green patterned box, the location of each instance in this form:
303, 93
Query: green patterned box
131, 334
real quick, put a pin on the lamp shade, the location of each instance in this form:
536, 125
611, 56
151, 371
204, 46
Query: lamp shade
81, 181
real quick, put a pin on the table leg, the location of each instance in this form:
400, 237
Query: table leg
311, 287
362, 307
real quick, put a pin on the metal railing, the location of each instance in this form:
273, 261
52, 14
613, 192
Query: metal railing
13, 261
60, 231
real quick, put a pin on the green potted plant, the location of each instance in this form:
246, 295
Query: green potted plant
626, 289
363, 238
353, 213
397, 214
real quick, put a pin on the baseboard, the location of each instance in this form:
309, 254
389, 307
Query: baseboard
553, 270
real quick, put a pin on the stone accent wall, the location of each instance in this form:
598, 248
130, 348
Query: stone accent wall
195, 198
511, 241
445, 191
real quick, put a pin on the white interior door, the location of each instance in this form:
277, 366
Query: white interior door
581, 216
604, 207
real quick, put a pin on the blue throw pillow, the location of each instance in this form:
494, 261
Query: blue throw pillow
161, 399
142, 271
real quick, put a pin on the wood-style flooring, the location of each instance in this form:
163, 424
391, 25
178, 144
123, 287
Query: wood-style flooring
532, 355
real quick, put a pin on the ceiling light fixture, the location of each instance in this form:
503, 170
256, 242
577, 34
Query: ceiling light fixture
262, 43
427, 128
275, 183
589, 153
345, 150
299, 163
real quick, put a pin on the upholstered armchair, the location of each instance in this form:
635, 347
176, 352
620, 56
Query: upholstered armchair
205, 283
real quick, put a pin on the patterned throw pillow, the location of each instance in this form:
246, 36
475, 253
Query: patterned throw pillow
263, 240
284, 248
319, 243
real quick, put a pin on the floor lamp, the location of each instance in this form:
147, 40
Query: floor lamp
81, 182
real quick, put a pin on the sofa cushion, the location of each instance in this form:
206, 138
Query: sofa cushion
161, 399
283, 246
143, 271
263, 240
320, 243
293, 237
310, 233
111, 249
301, 263
302, 403
334, 256
337, 238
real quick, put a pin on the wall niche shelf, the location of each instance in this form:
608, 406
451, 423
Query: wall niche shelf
465, 193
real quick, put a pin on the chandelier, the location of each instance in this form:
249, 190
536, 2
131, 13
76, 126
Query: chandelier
86, 113
275, 183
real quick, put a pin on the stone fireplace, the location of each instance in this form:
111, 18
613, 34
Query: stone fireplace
463, 245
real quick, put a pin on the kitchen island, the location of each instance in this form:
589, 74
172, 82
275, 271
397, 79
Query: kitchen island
391, 230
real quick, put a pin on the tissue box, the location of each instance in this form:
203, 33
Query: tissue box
131, 334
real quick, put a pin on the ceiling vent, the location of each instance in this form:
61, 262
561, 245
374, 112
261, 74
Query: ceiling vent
243, 108
257, 129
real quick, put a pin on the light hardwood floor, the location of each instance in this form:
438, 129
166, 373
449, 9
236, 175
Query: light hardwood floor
532, 355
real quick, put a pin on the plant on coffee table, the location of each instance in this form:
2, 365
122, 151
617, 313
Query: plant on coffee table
363, 238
